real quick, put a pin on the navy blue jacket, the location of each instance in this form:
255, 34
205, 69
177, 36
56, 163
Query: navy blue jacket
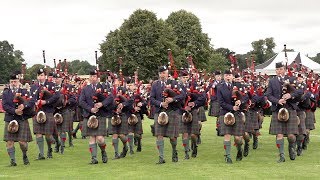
86, 101
156, 95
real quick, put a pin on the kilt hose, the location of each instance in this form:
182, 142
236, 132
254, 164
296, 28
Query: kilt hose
237, 129
285, 128
302, 125
202, 114
137, 128
191, 127
23, 134
310, 119
99, 131
214, 109
49, 127
67, 121
171, 129
252, 123
121, 128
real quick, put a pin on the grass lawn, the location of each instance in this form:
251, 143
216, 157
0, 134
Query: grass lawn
260, 164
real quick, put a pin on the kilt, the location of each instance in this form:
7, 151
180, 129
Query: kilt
170, 130
237, 129
121, 128
202, 114
67, 121
137, 128
192, 127
23, 134
214, 109
99, 131
49, 127
285, 128
310, 118
302, 125
261, 120
252, 123
78, 115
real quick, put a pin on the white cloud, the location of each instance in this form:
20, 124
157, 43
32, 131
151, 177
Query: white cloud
73, 29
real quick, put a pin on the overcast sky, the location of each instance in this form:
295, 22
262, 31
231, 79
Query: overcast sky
73, 29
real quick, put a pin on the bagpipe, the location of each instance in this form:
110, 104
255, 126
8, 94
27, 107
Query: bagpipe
61, 103
283, 114
168, 92
44, 94
237, 100
99, 96
116, 118
192, 95
24, 99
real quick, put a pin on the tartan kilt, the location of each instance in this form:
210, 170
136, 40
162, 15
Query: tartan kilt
285, 128
49, 127
237, 129
172, 128
252, 123
202, 114
192, 127
121, 128
214, 109
23, 134
67, 120
78, 114
310, 118
99, 131
137, 128
302, 125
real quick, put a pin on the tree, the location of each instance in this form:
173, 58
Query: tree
190, 38
79, 67
316, 58
10, 60
263, 49
142, 41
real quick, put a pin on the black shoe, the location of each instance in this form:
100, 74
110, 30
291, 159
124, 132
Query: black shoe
228, 159
49, 153
239, 155
40, 157
299, 150
199, 140
57, 147
62, 149
94, 160
292, 151
161, 161
116, 156
282, 159
74, 135
124, 151
174, 156
13, 163
186, 156
104, 156
246, 149
139, 149
25, 160
195, 151
255, 142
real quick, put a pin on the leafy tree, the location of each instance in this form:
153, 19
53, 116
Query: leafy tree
10, 60
190, 38
142, 41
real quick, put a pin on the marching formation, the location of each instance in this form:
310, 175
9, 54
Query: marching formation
118, 106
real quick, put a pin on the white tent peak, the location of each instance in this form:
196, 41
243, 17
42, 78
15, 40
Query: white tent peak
269, 66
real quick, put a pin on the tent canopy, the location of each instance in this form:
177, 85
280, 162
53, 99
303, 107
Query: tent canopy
269, 67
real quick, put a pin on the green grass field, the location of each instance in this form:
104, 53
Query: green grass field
260, 164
